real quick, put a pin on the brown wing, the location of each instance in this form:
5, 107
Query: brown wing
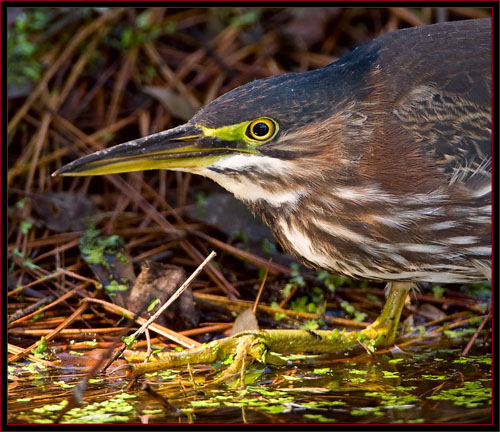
454, 130
445, 102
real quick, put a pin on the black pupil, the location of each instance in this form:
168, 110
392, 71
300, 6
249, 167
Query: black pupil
260, 129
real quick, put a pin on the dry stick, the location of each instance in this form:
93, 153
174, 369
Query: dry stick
241, 305
21, 167
208, 329
468, 303
91, 140
264, 279
436, 332
73, 332
47, 277
152, 252
470, 12
101, 80
120, 206
78, 68
446, 318
124, 75
254, 259
149, 350
42, 274
168, 75
51, 320
64, 297
191, 376
96, 283
212, 271
289, 296
408, 16
32, 283
50, 240
29, 309
145, 187
38, 140
183, 187
475, 335
56, 250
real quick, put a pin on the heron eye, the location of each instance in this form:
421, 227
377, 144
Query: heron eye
261, 129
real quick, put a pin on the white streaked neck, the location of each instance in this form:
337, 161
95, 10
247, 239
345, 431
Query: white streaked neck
246, 189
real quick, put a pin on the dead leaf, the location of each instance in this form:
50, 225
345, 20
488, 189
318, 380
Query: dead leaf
175, 104
159, 281
430, 312
246, 321
63, 211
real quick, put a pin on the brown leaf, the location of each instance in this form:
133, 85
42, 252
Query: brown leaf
63, 211
175, 104
246, 321
160, 281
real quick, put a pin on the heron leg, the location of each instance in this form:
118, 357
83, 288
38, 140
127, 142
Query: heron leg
386, 325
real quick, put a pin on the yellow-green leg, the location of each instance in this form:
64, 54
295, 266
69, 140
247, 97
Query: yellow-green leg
386, 325
262, 344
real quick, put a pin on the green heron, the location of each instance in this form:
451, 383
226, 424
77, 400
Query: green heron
377, 166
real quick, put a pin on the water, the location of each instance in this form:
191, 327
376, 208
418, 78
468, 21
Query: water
428, 384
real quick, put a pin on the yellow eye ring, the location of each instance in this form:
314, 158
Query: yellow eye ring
261, 129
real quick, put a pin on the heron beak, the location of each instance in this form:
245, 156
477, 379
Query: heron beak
183, 148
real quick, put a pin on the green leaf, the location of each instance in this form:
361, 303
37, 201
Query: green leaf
25, 227
129, 341
153, 304
322, 371
41, 347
